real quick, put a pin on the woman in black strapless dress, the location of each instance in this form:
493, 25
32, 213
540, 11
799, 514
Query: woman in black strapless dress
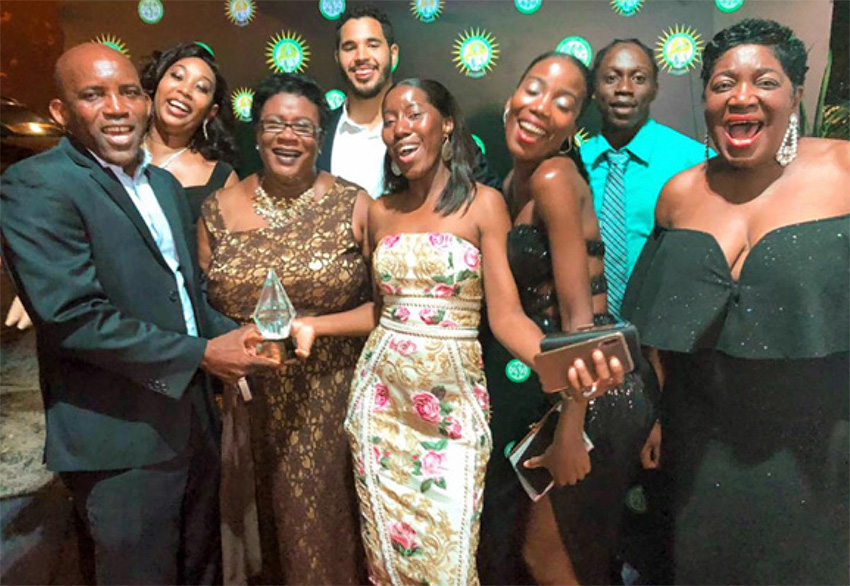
190, 134
556, 256
742, 291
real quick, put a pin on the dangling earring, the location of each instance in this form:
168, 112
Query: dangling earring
707, 150
446, 151
788, 151
394, 168
505, 116
566, 151
204, 128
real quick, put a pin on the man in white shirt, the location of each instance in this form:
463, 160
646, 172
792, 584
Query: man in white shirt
366, 53
353, 148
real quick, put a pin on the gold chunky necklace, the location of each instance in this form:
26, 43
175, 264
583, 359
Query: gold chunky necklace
278, 214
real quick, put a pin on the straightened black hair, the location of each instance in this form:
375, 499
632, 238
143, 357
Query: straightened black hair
460, 188
569, 148
366, 11
290, 83
220, 146
781, 40
603, 52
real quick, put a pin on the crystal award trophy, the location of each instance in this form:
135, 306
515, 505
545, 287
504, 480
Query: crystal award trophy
273, 315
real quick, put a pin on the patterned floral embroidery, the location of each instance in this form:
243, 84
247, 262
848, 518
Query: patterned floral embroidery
382, 396
418, 412
404, 540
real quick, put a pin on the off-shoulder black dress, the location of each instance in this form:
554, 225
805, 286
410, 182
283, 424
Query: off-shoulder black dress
588, 513
755, 401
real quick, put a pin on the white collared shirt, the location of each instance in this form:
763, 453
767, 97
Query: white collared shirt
358, 154
142, 195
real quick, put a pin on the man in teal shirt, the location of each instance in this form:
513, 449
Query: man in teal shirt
643, 154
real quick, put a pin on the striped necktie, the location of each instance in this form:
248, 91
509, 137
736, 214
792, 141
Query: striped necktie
613, 228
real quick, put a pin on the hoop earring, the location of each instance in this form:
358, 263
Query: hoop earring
446, 150
788, 151
566, 151
204, 128
505, 116
394, 169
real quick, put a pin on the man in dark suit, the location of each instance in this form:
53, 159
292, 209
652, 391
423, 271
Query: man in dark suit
96, 243
352, 147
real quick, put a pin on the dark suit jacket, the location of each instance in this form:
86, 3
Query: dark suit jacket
481, 171
118, 372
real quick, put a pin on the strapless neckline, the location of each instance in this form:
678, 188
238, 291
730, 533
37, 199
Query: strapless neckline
761, 243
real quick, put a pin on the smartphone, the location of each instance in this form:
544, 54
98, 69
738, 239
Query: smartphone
552, 365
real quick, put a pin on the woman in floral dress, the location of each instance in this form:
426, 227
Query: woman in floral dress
418, 412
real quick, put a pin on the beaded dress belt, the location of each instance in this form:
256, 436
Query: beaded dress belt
453, 333
431, 331
433, 302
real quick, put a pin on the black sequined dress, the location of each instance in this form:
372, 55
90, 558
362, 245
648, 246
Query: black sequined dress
755, 402
618, 423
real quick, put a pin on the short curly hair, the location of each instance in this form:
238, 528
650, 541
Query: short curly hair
603, 52
780, 39
219, 144
366, 11
290, 83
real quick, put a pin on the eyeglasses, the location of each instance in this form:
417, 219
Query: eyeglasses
303, 128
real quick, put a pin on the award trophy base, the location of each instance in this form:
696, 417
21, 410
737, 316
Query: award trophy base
279, 349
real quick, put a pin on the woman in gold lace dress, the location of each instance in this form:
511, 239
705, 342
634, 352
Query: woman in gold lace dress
418, 414
289, 512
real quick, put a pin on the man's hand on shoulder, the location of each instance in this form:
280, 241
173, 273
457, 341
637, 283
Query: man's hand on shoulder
234, 354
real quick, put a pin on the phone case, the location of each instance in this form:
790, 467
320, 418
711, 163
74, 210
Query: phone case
560, 351
561, 339
538, 481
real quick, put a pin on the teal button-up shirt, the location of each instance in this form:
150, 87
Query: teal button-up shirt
656, 153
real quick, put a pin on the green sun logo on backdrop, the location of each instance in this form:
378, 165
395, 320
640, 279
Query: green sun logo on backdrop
240, 12
426, 10
242, 99
332, 9
580, 137
578, 47
335, 98
528, 6
626, 7
475, 52
728, 5
678, 49
150, 11
287, 52
113, 42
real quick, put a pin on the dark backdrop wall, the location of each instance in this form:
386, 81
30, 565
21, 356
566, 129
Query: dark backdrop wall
426, 49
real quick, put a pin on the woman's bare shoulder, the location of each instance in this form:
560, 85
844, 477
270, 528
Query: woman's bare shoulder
677, 193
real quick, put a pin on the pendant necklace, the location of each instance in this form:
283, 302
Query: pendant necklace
172, 157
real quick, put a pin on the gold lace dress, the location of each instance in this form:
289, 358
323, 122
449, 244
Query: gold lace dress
418, 414
289, 512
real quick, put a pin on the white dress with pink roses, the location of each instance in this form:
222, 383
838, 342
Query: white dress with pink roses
418, 414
